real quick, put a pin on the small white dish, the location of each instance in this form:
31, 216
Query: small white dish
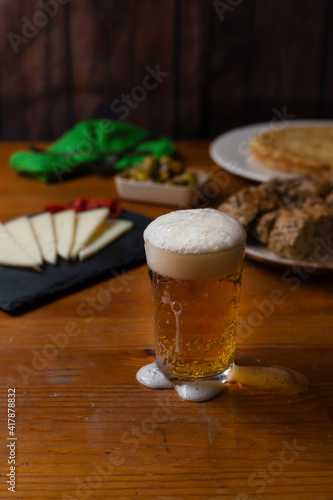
162, 193
231, 150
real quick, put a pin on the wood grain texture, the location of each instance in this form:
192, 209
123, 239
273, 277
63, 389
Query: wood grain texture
87, 429
191, 67
35, 74
285, 54
228, 64
119, 41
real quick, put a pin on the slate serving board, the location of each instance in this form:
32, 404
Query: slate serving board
20, 287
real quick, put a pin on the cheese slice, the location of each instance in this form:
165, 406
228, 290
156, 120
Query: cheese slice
108, 231
21, 231
64, 226
11, 254
43, 227
86, 224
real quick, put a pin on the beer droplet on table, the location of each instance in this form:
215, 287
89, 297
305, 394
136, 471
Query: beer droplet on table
268, 378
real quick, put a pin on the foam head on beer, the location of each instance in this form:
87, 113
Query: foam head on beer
195, 244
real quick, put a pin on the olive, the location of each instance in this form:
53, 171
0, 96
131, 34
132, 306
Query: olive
165, 175
141, 175
126, 174
189, 178
150, 165
136, 174
131, 173
165, 159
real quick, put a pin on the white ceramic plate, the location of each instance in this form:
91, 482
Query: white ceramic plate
162, 193
231, 150
256, 251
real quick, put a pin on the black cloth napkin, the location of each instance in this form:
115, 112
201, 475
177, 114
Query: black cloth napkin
25, 288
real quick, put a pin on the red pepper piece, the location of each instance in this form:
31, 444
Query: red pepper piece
79, 204
115, 209
98, 203
82, 204
53, 209
112, 205
93, 203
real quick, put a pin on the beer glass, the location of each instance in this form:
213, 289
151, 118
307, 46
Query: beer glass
195, 260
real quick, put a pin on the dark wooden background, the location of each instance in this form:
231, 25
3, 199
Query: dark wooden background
251, 63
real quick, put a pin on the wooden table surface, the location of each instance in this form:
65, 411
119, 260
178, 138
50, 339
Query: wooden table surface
87, 429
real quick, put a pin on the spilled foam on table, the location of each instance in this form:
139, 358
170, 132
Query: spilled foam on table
256, 378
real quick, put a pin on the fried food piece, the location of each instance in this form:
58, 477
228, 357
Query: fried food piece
263, 226
295, 233
287, 215
295, 191
248, 203
251, 202
306, 150
329, 199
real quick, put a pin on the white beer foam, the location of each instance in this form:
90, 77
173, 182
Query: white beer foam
195, 244
194, 231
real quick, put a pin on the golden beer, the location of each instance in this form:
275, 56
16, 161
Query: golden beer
195, 291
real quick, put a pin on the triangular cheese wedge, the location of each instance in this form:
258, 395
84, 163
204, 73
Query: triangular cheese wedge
64, 226
107, 232
42, 225
86, 224
11, 254
21, 231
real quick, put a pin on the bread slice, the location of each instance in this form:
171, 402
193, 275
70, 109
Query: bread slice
307, 150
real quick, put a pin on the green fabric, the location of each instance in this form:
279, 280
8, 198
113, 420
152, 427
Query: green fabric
87, 146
